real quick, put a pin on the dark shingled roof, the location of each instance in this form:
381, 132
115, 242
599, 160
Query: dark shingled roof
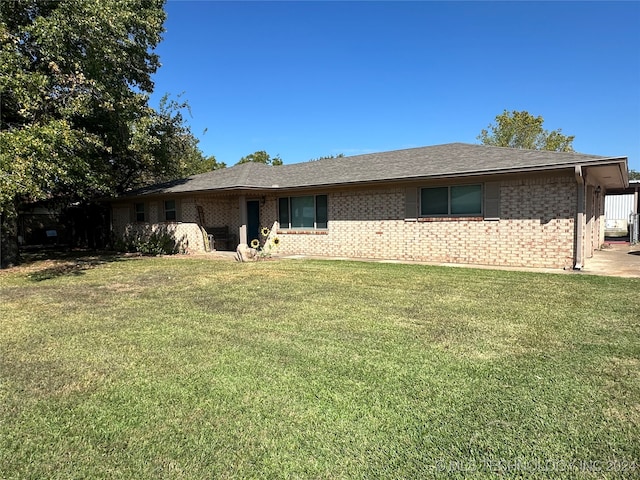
449, 160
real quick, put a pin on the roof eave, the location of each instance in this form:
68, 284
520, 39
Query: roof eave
585, 162
161, 193
439, 176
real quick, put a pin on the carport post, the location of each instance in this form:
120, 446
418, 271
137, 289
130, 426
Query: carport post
579, 230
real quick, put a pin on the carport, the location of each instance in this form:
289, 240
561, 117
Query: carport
616, 260
633, 220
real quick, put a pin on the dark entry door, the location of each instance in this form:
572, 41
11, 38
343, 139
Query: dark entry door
253, 220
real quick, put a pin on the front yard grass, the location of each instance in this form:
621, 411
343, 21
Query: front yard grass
187, 368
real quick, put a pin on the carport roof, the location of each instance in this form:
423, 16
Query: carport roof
439, 161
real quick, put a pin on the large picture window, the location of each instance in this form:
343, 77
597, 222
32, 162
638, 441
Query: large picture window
456, 200
308, 211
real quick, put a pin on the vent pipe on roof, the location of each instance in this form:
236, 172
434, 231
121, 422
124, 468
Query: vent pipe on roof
580, 216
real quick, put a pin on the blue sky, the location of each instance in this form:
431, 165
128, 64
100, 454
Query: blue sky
308, 79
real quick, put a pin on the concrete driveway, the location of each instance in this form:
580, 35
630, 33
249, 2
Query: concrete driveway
615, 260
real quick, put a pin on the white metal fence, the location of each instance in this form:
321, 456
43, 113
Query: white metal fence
634, 228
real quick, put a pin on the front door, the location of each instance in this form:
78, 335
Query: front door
253, 220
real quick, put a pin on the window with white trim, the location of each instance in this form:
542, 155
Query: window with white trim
309, 211
458, 200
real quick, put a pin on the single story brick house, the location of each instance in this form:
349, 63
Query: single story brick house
454, 203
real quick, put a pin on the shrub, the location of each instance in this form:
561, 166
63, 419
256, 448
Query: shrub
147, 242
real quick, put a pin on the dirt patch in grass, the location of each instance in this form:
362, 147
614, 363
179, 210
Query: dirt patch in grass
51, 264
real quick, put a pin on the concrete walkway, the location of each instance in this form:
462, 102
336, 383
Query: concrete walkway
616, 260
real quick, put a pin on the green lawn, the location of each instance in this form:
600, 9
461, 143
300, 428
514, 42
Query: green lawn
188, 368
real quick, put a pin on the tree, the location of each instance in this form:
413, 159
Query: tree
634, 175
170, 145
261, 157
75, 79
208, 164
523, 130
326, 157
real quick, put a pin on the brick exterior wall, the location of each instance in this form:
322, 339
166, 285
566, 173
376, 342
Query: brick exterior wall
535, 227
189, 237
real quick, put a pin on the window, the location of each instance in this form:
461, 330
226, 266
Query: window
321, 211
170, 211
139, 212
466, 200
457, 200
303, 212
435, 201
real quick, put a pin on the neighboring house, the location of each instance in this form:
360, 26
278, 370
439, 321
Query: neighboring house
454, 203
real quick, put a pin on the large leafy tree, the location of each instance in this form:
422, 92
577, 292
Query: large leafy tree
522, 130
75, 79
169, 146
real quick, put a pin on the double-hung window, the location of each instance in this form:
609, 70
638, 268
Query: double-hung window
458, 200
308, 211
170, 212
139, 212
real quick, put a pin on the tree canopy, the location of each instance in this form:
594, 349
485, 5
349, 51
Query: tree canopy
172, 146
327, 157
522, 130
75, 120
261, 157
208, 164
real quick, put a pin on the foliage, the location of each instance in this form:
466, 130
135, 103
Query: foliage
75, 122
326, 157
186, 368
163, 141
634, 175
261, 157
208, 164
522, 130
149, 242
74, 105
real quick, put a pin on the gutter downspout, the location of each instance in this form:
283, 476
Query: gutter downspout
580, 213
